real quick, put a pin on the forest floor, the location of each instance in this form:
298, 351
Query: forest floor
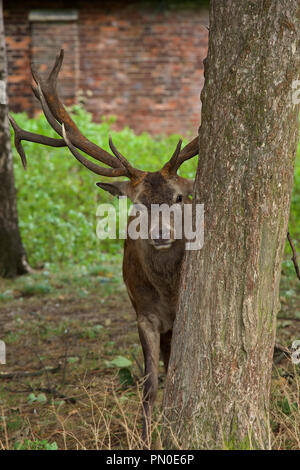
73, 375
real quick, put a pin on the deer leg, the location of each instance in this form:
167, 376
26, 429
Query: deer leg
165, 347
150, 339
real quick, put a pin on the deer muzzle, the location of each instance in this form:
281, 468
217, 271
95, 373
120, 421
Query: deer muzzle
162, 238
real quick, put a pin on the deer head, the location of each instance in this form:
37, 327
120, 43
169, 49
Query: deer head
161, 187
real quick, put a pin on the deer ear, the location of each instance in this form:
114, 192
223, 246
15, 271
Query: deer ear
119, 188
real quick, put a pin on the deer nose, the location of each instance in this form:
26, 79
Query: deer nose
161, 238
159, 234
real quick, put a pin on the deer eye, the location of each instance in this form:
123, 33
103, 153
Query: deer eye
179, 198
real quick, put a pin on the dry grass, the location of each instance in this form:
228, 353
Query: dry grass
102, 419
108, 417
285, 410
61, 328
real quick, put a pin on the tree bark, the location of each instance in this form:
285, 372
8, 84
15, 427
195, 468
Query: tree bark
12, 254
218, 382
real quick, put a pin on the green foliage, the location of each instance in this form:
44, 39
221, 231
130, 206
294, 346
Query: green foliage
35, 445
287, 407
92, 332
57, 196
294, 222
125, 377
39, 288
124, 372
120, 362
40, 398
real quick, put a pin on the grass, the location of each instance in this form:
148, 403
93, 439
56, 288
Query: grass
91, 343
70, 325
89, 350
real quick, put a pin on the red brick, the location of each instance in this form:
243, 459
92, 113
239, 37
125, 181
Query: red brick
142, 65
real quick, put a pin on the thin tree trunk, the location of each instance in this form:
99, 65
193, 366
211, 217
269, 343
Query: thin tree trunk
12, 254
218, 383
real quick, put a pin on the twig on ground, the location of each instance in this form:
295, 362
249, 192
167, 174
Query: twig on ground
42, 364
63, 379
283, 349
52, 391
281, 352
17, 374
56, 394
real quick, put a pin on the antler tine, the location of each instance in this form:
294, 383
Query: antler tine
90, 165
49, 92
53, 75
62, 132
131, 171
48, 115
56, 68
21, 134
178, 157
189, 151
173, 159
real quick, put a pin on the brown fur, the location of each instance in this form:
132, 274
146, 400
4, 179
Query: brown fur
152, 278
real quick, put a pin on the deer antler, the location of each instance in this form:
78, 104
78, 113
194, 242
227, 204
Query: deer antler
21, 134
178, 157
48, 89
131, 171
62, 123
59, 119
88, 164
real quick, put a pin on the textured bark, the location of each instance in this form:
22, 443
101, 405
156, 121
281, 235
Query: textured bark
218, 383
12, 254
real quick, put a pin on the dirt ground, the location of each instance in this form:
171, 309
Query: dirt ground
67, 334
74, 363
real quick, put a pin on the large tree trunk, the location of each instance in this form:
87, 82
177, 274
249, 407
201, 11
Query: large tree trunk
218, 383
12, 254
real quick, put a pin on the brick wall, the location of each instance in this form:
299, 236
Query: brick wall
140, 63
18, 43
63, 34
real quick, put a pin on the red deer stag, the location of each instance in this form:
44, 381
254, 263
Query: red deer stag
151, 267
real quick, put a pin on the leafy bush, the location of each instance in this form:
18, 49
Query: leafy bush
294, 222
57, 197
35, 445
